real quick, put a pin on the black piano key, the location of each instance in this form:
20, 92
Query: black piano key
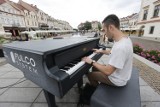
78, 60
65, 68
70, 65
75, 62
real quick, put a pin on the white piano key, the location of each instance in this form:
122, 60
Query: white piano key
80, 64
63, 70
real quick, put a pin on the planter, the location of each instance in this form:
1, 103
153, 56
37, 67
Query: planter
147, 62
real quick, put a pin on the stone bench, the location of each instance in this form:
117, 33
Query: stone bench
127, 96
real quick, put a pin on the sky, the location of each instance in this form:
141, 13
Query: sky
77, 11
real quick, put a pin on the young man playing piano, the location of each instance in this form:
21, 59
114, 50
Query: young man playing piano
118, 70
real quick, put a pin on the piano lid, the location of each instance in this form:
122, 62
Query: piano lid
48, 45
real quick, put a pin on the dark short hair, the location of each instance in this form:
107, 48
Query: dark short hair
111, 20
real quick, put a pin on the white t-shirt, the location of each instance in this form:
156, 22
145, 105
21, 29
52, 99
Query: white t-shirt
121, 57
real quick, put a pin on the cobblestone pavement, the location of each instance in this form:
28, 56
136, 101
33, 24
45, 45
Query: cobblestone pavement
151, 76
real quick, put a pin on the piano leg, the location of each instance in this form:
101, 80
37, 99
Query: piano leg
80, 83
50, 99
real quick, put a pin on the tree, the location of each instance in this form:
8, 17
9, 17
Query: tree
99, 26
87, 25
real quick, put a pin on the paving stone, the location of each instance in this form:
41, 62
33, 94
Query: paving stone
15, 104
100, 61
142, 82
5, 68
40, 105
150, 104
20, 95
67, 105
85, 80
12, 75
71, 96
148, 94
2, 91
3, 72
27, 84
8, 66
6, 82
16, 70
58, 104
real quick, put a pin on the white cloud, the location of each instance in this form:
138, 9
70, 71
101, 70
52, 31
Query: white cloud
77, 11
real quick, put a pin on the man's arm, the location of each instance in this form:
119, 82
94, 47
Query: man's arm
106, 69
107, 52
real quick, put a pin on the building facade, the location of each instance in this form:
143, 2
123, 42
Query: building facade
95, 25
11, 18
149, 18
62, 25
21, 16
30, 14
129, 24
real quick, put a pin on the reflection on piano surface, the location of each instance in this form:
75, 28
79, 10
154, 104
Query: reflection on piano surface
55, 64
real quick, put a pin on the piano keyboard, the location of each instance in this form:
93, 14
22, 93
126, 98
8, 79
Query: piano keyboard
75, 65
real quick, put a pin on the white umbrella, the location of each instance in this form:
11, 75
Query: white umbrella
5, 33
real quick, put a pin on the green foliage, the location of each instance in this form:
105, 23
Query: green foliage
99, 26
137, 49
3, 40
87, 25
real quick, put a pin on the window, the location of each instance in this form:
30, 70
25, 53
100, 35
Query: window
9, 10
3, 9
156, 11
2, 19
8, 22
11, 21
151, 30
145, 14
28, 22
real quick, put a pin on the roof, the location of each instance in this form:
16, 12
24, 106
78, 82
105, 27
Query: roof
134, 15
10, 3
20, 6
27, 6
13, 4
2, 1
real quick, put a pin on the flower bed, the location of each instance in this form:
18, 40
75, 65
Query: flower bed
152, 55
